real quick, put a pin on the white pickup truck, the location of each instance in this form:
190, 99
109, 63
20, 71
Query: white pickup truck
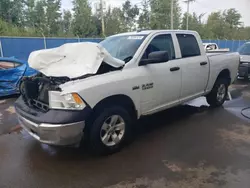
98, 91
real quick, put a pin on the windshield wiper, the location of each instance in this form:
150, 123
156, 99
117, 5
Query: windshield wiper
127, 59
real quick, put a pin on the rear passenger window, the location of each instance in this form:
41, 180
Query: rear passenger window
188, 45
162, 42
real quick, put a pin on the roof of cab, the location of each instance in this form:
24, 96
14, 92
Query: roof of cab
147, 32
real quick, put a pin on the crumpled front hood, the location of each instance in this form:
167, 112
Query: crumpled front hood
72, 60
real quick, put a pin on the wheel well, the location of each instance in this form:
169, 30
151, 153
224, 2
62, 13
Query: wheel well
225, 74
119, 100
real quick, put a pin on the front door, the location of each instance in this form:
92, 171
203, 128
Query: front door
164, 79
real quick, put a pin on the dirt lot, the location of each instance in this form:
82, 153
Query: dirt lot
189, 146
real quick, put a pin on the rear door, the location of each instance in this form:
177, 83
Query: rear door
11, 72
194, 67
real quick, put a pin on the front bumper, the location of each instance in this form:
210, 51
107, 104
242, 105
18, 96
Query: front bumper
55, 127
54, 134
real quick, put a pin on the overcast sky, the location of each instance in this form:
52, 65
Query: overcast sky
199, 6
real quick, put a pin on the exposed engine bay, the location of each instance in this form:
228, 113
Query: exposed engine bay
35, 89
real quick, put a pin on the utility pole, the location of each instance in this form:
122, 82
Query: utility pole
172, 14
102, 17
188, 2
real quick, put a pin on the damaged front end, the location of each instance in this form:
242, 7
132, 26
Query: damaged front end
47, 115
45, 111
35, 90
59, 65
40, 92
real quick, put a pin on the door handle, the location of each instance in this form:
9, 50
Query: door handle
203, 63
174, 69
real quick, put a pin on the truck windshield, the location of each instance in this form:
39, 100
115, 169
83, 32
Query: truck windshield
123, 47
245, 49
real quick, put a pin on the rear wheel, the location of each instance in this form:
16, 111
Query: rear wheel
110, 130
218, 94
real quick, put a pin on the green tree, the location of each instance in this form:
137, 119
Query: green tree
96, 18
39, 17
8, 29
195, 23
216, 27
17, 12
29, 13
161, 14
128, 18
11, 11
83, 24
113, 21
5, 6
144, 17
66, 22
232, 18
53, 16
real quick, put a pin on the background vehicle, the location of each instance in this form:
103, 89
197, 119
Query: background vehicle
160, 69
244, 68
213, 48
11, 72
210, 46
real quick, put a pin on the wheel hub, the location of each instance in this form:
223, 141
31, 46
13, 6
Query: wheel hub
112, 130
221, 93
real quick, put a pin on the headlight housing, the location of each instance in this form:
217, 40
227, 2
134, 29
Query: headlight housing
71, 101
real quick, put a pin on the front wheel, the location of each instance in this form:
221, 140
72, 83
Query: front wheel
110, 130
218, 94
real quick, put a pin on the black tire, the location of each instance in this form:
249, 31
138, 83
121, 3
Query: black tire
96, 146
212, 98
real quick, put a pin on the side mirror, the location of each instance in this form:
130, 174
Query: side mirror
155, 57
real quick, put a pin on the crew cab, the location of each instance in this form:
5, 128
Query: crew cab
96, 92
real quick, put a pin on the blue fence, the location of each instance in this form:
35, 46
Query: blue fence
233, 45
21, 47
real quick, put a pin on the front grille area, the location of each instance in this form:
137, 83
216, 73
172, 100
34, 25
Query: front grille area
40, 105
35, 93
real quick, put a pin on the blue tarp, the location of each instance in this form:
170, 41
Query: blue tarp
11, 72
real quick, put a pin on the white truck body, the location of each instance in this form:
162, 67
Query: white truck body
187, 73
170, 88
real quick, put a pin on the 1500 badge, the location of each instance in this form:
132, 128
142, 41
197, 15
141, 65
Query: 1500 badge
147, 86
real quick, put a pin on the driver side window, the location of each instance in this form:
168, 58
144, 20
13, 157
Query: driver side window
162, 42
